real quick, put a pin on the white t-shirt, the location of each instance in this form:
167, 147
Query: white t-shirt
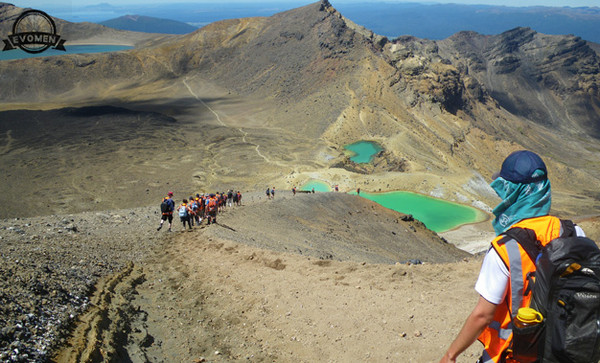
494, 277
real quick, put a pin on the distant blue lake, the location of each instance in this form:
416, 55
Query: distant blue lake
363, 151
71, 49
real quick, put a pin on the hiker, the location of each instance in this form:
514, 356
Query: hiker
336, 188
524, 188
222, 201
219, 201
202, 202
294, 190
184, 213
197, 210
166, 208
313, 190
357, 191
239, 198
192, 208
273, 193
230, 198
212, 206
268, 192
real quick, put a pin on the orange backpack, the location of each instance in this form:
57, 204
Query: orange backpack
212, 204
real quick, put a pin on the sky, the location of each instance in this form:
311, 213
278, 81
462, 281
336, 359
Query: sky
40, 4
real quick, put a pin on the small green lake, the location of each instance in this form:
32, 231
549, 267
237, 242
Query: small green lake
437, 214
70, 49
319, 185
363, 151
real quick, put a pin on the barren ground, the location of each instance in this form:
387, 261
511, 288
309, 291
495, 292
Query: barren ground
199, 296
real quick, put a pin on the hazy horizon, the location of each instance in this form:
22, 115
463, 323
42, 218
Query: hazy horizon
423, 19
510, 3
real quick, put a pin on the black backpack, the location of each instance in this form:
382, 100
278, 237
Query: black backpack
566, 291
164, 207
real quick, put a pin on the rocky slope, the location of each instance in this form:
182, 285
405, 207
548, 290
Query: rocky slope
52, 265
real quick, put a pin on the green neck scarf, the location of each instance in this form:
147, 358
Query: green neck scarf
520, 201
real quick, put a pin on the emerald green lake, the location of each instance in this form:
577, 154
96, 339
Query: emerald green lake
363, 151
70, 49
320, 186
437, 214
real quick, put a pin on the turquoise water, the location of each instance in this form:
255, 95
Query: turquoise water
437, 214
363, 151
320, 186
70, 49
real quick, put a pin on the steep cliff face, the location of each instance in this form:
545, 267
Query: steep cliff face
549, 80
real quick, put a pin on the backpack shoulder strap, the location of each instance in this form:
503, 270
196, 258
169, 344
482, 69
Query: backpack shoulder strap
568, 228
526, 238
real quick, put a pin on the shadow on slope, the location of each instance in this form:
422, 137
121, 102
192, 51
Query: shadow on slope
75, 158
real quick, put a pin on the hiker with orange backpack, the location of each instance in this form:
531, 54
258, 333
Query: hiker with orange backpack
166, 208
504, 284
212, 206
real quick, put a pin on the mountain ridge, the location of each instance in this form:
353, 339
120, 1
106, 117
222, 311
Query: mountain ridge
440, 21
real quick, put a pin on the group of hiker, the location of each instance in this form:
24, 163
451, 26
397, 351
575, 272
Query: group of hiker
270, 193
193, 210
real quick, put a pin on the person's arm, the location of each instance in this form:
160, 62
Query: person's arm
480, 318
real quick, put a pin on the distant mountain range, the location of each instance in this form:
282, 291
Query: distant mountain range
148, 24
439, 21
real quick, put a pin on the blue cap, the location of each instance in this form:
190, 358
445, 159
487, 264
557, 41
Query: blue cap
519, 167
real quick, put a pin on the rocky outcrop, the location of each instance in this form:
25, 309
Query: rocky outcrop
545, 79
